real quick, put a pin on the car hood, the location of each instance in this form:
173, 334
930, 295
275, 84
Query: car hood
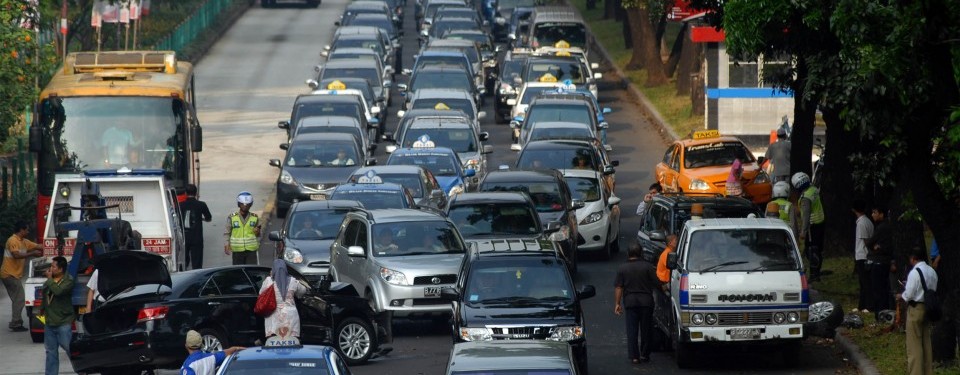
423, 265
312, 250
479, 316
448, 182
114, 268
312, 176
719, 174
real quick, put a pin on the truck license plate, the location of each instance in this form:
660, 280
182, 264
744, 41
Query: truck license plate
744, 333
318, 197
431, 291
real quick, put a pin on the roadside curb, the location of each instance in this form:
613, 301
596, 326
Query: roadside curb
852, 351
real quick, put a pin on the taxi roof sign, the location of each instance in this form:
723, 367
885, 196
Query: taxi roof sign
424, 142
548, 78
562, 44
370, 178
563, 53
566, 85
336, 85
441, 106
282, 342
704, 134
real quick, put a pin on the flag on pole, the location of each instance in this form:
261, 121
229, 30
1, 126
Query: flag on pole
134, 9
124, 13
63, 19
96, 20
144, 8
108, 12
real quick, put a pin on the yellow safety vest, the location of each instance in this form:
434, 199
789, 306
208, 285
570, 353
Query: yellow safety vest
242, 236
784, 209
816, 207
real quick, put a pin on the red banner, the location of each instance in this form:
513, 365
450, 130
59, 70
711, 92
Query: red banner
157, 245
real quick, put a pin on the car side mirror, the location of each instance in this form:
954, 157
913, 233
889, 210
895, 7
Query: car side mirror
469, 172
515, 147
324, 53
326, 47
672, 261
512, 36
356, 251
658, 235
608, 170
284, 146
406, 72
597, 75
552, 226
370, 162
515, 124
487, 149
613, 201
275, 163
517, 81
196, 138
603, 125
390, 149
587, 291
760, 160
274, 236
576, 204
312, 83
283, 124
594, 66
484, 136
436, 194
401, 112
372, 147
336, 23
511, 102
375, 110
606, 110
449, 294
387, 84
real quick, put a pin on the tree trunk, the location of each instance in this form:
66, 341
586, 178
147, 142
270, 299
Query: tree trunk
677, 51
661, 30
691, 58
837, 186
626, 29
636, 34
648, 46
801, 138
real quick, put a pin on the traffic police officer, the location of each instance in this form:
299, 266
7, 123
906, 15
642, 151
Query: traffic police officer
811, 221
781, 195
243, 232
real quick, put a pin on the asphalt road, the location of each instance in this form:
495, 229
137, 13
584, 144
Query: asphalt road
248, 81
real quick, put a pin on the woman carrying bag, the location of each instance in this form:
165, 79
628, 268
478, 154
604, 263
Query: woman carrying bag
285, 320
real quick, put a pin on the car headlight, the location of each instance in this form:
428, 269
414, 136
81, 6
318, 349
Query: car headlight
476, 334
711, 318
393, 277
793, 317
779, 318
565, 333
592, 218
292, 255
762, 178
287, 178
697, 319
698, 184
456, 190
472, 163
561, 235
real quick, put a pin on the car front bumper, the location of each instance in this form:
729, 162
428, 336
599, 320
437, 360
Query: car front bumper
594, 234
287, 194
410, 298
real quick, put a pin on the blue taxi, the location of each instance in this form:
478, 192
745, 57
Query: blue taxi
441, 161
374, 194
285, 356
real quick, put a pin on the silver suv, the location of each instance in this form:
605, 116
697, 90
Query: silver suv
399, 259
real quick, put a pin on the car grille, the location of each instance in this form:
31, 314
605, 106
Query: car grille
319, 264
731, 319
429, 302
520, 333
428, 280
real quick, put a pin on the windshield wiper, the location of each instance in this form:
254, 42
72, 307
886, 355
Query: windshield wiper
509, 300
724, 264
766, 266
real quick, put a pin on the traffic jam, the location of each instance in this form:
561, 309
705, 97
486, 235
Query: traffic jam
428, 228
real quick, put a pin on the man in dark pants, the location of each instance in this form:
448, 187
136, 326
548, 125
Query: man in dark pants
880, 254
635, 284
193, 212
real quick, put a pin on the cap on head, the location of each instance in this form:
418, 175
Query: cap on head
696, 209
800, 180
245, 197
194, 341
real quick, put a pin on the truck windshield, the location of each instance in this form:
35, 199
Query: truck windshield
89, 133
514, 282
725, 250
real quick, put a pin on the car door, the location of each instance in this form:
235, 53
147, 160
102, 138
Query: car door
341, 262
666, 175
232, 306
654, 221
430, 185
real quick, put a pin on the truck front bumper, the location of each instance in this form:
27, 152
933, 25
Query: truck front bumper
742, 333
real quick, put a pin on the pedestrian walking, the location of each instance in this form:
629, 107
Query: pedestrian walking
779, 156
57, 310
919, 346
862, 267
811, 222
880, 257
199, 362
635, 283
194, 212
243, 232
285, 320
15, 254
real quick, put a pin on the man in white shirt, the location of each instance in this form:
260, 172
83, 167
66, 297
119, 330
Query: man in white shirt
919, 347
863, 233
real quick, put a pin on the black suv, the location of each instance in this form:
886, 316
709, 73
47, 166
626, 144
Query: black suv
519, 293
667, 212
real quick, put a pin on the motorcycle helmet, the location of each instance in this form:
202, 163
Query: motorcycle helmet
781, 189
245, 198
800, 180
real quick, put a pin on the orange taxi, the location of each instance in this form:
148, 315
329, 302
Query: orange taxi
701, 164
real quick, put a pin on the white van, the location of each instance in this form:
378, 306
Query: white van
735, 281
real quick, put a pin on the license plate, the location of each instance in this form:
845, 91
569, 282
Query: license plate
431, 291
744, 333
318, 197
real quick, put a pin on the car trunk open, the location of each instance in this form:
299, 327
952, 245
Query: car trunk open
128, 281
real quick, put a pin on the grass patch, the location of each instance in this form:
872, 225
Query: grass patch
886, 350
675, 109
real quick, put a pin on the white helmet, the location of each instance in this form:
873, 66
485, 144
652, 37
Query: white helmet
781, 189
800, 179
245, 197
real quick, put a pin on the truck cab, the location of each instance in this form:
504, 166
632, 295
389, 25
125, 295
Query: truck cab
734, 281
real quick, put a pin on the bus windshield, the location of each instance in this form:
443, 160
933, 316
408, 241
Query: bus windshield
89, 133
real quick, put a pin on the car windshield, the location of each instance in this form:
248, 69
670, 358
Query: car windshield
504, 281
549, 33
715, 154
372, 44
457, 139
314, 225
369, 74
436, 60
559, 112
719, 211
531, 92
416, 238
410, 181
724, 250
444, 25
379, 22
510, 4
372, 197
545, 195
321, 154
438, 164
282, 366
561, 71
584, 188
455, 79
364, 88
542, 133
564, 158
486, 219
455, 104
348, 109
510, 69
352, 130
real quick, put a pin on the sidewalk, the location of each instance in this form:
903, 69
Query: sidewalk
20, 354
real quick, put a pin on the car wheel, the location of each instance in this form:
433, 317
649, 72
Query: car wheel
34, 325
355, 340
212, 341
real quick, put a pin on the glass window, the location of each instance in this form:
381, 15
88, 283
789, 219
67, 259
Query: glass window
567, 158
531, 92
314, 225
234, 282
667, 156
457, 79
210, 289
314, 154
350, 233
743, 74
563, 112
494, 219
369, 74
544, 133
373, 198
549, 33
257, 276
724, 250
560, 70
458, 139
455, 104
716, 154
415, 238
546, 195
513, 281
584, 189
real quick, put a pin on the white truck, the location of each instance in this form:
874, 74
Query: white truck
734, 281
101, 211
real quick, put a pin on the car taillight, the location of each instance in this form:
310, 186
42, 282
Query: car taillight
152, 313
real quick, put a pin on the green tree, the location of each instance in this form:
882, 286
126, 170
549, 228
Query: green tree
641, 15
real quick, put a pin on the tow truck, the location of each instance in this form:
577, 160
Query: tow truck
101, 211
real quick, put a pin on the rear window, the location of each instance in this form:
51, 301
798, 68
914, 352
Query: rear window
549, 33
739, 250
328, 109
567, 158
545, 195
494, 219
291, 366
563, 112
372, 198
715, 154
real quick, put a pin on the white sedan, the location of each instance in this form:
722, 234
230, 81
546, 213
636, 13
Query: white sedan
599, 219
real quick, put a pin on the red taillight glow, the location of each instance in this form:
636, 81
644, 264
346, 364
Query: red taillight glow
152, 313
803, 281
683, 282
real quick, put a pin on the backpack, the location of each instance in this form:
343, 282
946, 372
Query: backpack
931, 302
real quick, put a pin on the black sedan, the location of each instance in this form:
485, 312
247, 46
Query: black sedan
307, 233
146, 316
